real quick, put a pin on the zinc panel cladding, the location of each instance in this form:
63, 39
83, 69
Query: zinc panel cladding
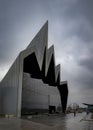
9, 88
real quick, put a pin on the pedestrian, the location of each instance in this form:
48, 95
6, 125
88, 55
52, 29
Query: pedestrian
87, 111
74, 113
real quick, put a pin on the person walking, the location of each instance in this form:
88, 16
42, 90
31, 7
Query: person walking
74, 113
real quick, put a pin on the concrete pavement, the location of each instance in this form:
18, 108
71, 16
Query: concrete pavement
45, 122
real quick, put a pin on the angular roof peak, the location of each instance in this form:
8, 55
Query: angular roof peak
40, 42
43, 33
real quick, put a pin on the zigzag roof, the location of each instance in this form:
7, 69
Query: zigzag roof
39, 60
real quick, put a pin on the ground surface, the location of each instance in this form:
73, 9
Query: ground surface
52, 122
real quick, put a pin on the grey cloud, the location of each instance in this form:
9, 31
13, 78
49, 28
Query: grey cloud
80, 8
88, 63
81, 13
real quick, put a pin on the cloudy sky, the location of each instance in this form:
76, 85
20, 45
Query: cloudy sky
70, 30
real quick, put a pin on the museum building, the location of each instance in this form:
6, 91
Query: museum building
32, 83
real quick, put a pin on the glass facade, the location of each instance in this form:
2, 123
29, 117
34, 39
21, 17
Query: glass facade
37, 95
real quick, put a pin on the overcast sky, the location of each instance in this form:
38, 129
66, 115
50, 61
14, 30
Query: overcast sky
70, 30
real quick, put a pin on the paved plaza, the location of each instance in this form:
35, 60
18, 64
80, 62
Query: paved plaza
49, 122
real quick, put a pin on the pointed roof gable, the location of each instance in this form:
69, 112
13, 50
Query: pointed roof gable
40, 41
